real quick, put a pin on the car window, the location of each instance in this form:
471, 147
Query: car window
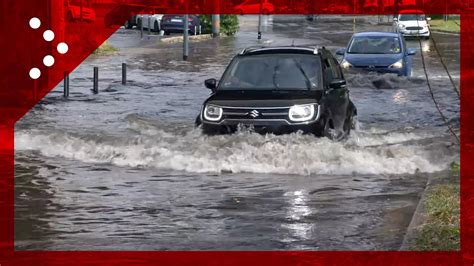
272, 72
337, 73
332, 71
374, 45
408, 17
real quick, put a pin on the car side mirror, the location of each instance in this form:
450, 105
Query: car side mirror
341, 51
337, 84
411, 52
395, 19
211, 84
428, 18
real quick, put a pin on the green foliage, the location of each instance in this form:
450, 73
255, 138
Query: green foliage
105, 49
441, 230
229, 24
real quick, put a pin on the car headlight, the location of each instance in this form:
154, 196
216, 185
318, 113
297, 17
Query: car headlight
345, 64
212, 113
398, 64
299, 113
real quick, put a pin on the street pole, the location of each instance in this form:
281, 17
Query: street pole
149, 26
186, 37
354, 24
259, 34
216, 25
141, 27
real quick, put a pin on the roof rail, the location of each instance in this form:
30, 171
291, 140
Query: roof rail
248, 49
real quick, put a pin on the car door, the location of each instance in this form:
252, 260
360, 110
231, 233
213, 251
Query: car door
407, 60
337, 99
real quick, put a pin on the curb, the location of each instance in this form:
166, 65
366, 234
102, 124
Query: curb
416, 220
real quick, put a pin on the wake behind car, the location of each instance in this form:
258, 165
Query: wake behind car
384, 52
280, 90
412, 23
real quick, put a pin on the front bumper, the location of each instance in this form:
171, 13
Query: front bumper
358, 70
270, 120
271, 127
415, 33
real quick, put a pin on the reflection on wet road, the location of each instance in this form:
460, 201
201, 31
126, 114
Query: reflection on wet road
126, 170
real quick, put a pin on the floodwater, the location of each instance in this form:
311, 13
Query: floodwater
126, 170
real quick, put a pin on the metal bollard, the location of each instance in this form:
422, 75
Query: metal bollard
95, 89
200, 30
66, 85
195, 30
124, 74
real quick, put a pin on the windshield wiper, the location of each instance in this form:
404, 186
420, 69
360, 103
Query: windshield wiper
307, 81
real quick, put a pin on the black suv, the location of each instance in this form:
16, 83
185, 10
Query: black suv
280, 90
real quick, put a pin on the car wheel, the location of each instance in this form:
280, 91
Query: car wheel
355, 123
198, 121
347, 128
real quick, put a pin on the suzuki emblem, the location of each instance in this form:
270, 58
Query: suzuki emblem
254, 113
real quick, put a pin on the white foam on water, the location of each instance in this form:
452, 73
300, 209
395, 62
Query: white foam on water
189, 150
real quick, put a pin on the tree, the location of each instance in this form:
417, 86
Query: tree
229, 24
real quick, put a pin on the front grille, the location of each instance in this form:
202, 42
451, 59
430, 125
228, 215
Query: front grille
371, 67
414, 28
255, 113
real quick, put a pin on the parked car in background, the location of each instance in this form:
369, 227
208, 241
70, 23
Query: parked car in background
77, 10
280, 90
149, 20
412, 23
131, 22
175, 23
384, 52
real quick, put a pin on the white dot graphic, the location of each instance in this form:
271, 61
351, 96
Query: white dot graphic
48, 60
35, 23
35, 73
62, 48
48, 35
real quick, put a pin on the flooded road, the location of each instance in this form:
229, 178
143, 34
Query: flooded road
126, 170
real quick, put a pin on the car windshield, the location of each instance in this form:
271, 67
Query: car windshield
408, 17
272, 72
374, 45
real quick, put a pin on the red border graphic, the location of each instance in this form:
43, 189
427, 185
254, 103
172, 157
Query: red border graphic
23, 48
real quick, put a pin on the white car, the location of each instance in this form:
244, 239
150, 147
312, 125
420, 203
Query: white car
154, 20
412, 23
